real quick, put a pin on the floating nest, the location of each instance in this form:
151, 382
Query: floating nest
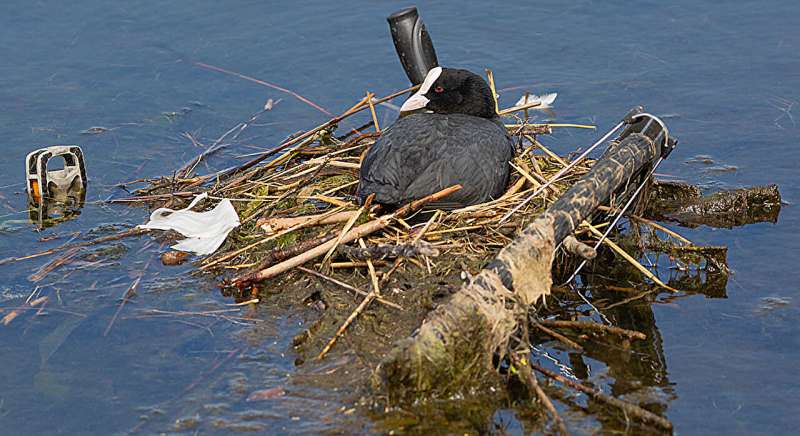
305, 239
308, 195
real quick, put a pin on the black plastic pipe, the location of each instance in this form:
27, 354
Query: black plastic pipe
413, 44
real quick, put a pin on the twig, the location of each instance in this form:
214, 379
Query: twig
351, 264
37, 309
629, 258
235, 253
546, 150
347, 226
54, 264
549, 125
29, 305
372, 275
347, 286
333, 121
522, 107
416, 239
370, 96
114, 237
630, 299
264, 83
530, 380
271, 225
364, 303
589, 325
154, 197
629, 408
490, 76
652, 224
128, 293
358, 232
279, 255
558, 336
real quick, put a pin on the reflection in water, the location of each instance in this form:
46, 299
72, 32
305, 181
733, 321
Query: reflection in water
70, 66
48, 213
634, 370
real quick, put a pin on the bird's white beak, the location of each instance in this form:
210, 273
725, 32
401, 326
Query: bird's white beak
418, 100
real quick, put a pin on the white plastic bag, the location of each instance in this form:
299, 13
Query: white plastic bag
204, 231
545, 100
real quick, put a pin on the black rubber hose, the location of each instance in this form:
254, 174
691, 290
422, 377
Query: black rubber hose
413, 44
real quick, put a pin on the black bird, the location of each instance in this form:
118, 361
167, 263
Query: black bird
458, 140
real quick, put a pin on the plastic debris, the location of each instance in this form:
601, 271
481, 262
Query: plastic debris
546, 100
44, 183
204, 231
55, 195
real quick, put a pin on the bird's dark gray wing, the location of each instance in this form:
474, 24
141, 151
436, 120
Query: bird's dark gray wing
420, 156
394, 161
475, 154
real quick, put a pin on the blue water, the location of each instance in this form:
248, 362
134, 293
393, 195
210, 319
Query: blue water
725, 74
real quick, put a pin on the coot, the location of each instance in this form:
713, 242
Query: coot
458, 140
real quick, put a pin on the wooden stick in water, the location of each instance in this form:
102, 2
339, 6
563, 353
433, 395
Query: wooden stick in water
347, 286
376, 292
530, 380
629, 408
617, 249
589, 325
558, 336
263, 83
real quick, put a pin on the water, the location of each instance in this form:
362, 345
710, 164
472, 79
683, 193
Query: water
726, 74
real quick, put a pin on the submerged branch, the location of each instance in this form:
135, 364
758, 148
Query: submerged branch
682, 203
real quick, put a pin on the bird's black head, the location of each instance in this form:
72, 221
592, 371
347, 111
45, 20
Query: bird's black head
453, 91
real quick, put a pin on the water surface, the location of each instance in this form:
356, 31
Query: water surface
725, 75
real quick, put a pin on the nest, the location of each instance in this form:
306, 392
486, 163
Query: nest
299, 212
298, 207
308, 194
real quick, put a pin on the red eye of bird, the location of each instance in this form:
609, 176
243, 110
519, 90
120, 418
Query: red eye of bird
438, 89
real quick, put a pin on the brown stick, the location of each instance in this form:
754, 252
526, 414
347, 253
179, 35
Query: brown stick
54, 264
347, 226
153, 197
558, 336
264, 83
353, 110
271, 225
347, 286
235, 253
364, 303
629, 408
589, 325
128, 293
370, 96
12, 314
353, 264
114, 237
358, 232
527, 377
279, 255
376, 292
399, 260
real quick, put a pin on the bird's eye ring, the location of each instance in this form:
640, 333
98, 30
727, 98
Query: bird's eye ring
438, 89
